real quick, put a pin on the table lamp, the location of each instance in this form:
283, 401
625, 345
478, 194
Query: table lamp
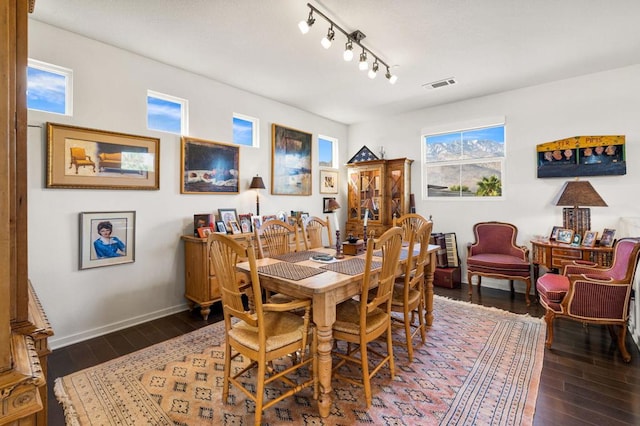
257, 184
333, 206
578, 193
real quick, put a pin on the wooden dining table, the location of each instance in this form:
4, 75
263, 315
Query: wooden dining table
326, 284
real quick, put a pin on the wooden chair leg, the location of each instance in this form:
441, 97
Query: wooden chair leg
621, 338
549, 317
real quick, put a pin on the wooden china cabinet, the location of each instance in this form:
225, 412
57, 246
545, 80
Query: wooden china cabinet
24, 329
381, 187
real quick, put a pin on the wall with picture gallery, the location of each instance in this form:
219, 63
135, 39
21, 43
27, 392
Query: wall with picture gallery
109, 93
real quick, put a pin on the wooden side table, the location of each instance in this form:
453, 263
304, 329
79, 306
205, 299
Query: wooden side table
551, 254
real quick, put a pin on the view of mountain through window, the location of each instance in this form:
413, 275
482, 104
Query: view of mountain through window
465, 163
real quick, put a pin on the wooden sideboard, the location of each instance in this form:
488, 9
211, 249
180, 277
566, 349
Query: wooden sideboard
551, 254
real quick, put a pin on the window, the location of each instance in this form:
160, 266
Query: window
467, 163
327, 151
245, 130
49, 88
167, 113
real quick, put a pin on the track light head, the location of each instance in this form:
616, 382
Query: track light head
306, 25
348, 51
326, 40
374, 70
363, 65
391, 77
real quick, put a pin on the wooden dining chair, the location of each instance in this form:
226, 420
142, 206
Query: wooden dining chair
276, 237
270, 332
408, 291
363, 320
312, 230
410, 223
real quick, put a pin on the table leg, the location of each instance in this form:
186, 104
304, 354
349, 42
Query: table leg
428, 288
324, 314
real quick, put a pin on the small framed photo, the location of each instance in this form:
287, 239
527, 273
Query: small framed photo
607, 237
235, 228
565, 236
325, 204
200, 221
267, 217
204, 232
577, 238
244, 221
281, 216
589, 239
220, 227
554, 232
256, 221
107, 238
228, 215
328, 182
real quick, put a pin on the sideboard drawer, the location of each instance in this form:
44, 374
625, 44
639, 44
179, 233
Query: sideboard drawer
560, 254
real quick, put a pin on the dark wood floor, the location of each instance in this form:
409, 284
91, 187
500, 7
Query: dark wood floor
584, 381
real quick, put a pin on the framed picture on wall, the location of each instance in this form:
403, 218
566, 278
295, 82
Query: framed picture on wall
78, 157
107, 238
209, 167
290, 161
328, 182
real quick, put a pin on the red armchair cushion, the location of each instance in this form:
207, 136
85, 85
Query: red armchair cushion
498, 264
552, 287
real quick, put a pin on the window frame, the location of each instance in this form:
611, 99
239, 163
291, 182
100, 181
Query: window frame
255, 129
461, 129
67, 73
334, 151
184, 111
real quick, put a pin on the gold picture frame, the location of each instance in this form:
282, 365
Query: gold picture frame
590, 238
290, 162
565, 236
208, 167
79, 157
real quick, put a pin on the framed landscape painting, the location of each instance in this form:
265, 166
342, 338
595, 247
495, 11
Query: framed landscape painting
291, 161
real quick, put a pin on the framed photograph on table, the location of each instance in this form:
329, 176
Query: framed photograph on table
221, 228
228, 215
328, 182
565, 236
291, 161
256, 222
78, 157
607, 237
554, 233
235, 228
204, 232
107, 238
208, 167
589, 239
245, 222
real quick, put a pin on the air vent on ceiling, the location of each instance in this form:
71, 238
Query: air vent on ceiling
440, 83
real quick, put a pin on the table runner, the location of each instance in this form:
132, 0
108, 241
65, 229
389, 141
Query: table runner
289, 271
298, 256
353, 266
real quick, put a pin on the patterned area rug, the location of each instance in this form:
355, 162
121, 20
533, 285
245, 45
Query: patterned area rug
479, 366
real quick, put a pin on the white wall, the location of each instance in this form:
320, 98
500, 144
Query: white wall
110, 87
606, 103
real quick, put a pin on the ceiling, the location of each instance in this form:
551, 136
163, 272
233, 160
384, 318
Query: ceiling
488, 46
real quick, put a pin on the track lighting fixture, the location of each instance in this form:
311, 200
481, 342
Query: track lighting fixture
348, 51
326, 40
352, 37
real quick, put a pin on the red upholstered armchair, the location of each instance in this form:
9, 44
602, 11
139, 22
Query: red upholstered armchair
592, 294
495, 254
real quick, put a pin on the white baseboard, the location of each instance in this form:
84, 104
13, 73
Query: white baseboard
61, 342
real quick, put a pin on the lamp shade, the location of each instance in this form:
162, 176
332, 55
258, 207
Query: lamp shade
579, 193
256, 183
333, 205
